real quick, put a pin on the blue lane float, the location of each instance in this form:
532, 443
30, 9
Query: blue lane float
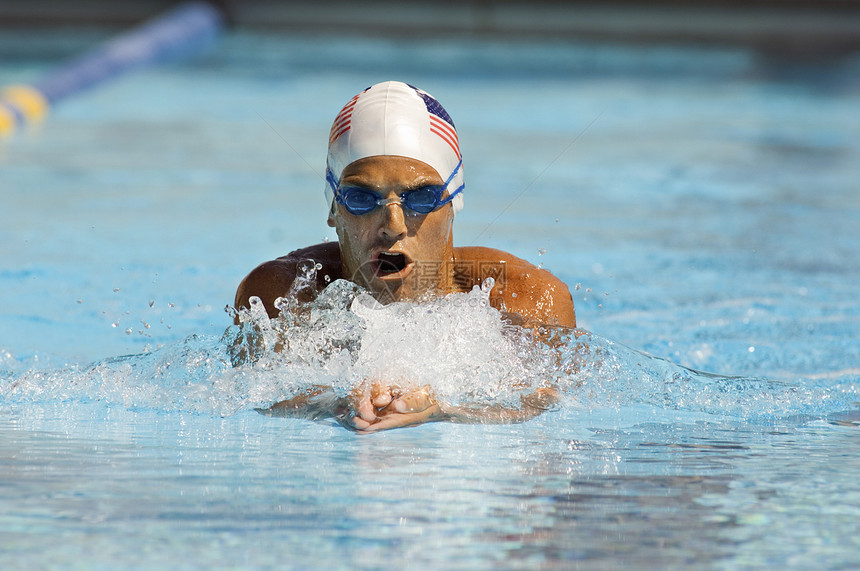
187, 29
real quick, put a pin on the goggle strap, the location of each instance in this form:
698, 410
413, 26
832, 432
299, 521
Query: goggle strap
452, 195
453, 174
332, 182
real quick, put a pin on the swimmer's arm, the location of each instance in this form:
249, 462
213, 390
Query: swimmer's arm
541, 299
316, 403
273, 279
373, 409
268, 281
538, 402
532, 293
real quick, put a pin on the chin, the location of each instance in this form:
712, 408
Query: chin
387, 292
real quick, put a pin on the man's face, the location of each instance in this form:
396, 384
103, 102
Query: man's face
393, 252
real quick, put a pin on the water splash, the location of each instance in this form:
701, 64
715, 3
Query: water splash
458, 344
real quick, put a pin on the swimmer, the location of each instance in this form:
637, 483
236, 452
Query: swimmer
394, 182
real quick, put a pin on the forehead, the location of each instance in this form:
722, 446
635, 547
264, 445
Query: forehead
382, 170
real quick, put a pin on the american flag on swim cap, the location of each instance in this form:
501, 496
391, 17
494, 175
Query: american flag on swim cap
440, 122
343, 120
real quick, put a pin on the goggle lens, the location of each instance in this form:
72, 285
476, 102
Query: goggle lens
358, 201
423, 200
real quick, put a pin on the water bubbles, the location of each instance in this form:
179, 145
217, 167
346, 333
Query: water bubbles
258, 311
282, 304
307, 270
487, 285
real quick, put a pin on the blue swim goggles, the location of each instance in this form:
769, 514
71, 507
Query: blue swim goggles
424, 200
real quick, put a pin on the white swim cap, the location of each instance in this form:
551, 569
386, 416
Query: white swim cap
393, 118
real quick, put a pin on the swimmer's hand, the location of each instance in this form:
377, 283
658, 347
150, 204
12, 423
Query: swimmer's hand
369, 408
376, 406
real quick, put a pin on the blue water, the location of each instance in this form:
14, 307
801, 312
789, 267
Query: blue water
701, 204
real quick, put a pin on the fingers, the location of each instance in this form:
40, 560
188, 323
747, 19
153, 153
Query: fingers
414, 401
380, 394
358, 424
377, 406
357, 413
400, 420
362, 404
366, 403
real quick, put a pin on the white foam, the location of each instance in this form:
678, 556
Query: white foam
458, 345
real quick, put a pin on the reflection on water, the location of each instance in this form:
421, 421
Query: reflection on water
553, 491
628, 520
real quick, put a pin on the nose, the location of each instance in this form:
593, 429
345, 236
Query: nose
394, 222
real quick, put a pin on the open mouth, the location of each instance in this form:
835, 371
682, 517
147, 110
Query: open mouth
388, 263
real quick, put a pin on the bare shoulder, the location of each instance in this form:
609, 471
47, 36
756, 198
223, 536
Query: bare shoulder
273, 279
523, 288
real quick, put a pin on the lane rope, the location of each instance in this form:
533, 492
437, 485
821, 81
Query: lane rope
186, 29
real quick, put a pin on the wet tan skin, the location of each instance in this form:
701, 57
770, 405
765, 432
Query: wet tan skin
428, 262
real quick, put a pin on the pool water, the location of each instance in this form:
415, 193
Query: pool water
701, 204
